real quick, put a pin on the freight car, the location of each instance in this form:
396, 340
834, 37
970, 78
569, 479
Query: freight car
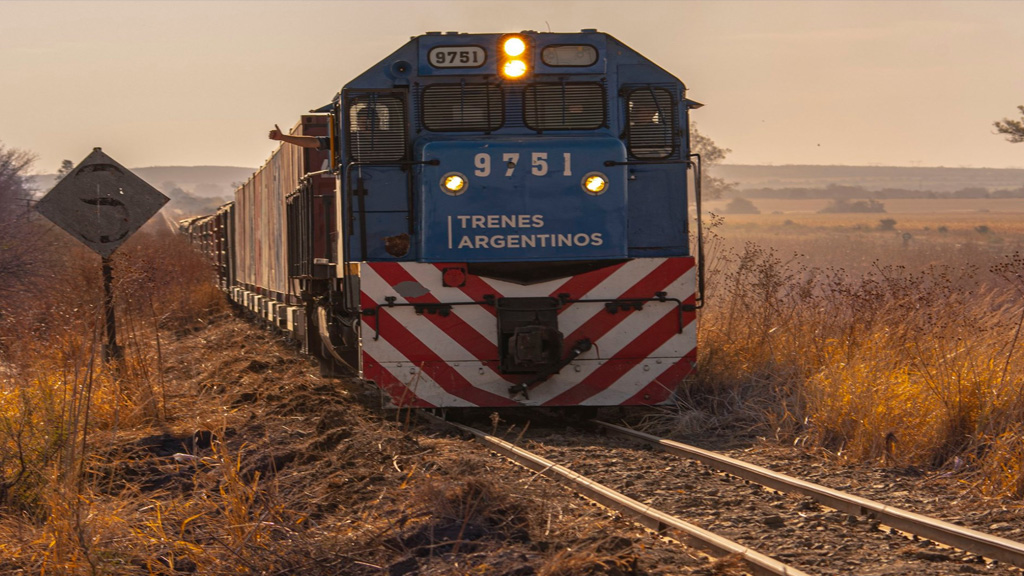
213, 235
493, 220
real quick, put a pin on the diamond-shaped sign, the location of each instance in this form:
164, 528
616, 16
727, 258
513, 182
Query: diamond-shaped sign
101, 203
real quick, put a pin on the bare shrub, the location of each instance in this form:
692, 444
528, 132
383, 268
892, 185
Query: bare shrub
14, 170
460, 510
160, 274
589, 560
842, 205
741, 206
1002, 471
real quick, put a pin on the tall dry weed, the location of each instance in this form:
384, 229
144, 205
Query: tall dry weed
57, 395
911, 361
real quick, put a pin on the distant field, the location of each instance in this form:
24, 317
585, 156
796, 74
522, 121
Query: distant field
912, 233
933, 178
1004, 218
892, 206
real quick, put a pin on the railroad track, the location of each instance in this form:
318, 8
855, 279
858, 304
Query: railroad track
740, 509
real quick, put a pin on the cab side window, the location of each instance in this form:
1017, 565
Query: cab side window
376, 128
651, 130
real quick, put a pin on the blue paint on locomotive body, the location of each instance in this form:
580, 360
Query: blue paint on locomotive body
523, 147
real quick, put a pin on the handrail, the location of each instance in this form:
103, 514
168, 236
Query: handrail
697, 194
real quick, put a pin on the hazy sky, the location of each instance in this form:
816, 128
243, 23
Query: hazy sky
807, 82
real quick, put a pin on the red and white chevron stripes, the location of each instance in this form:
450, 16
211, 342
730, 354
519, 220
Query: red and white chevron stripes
426, 358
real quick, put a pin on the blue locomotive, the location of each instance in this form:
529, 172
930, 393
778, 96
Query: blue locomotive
494, 220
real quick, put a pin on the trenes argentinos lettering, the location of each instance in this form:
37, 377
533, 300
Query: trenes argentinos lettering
482, 222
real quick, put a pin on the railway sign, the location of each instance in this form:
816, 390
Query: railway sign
101, 203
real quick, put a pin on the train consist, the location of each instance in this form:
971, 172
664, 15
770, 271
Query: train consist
491, 220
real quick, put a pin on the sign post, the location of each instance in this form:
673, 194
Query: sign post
111, 351
102, 203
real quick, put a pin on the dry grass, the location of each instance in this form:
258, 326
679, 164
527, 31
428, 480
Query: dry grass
56, 395
870, 347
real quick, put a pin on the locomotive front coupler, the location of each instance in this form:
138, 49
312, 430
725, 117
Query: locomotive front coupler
524, 388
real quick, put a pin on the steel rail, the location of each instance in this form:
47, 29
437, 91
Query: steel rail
960, 537
760, 564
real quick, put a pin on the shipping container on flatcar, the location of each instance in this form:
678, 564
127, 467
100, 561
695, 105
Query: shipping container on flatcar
262, 281
223, 247
211, 236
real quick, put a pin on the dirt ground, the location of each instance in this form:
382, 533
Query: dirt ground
261, 466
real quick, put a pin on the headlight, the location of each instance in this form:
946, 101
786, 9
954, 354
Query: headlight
514, 68
514, 46
594, 183
454, 183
